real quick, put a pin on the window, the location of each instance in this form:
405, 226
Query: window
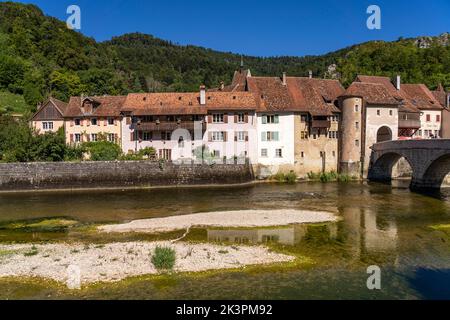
47, 125
302, 154
357, 143
147, 136
94, 121
241, 118
218, 136
391, 113
77, 137
303, 118
218, 118
166, 136
241, 135
180, 142
77, 122
270, 136
438, 118
196, 117
270, 119
357, 125
428, 118
334, 154
94, 137
420, 133
111, 121
378, 112
356, 108
216, 153
279, 153
111, 137
304, 135
170, 119
264, 153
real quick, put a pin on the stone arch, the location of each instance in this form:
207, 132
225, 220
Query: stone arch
384, 133
381, 168
436, 172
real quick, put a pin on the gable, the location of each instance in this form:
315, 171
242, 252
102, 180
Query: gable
48, 112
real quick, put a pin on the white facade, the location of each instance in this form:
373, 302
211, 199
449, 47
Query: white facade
276, 138
430, 124
232, 134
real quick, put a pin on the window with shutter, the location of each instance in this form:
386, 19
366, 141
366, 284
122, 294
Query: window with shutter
264, 119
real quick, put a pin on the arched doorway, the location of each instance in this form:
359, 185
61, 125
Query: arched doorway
384, 134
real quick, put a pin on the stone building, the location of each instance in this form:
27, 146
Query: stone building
444, 99
50, 116
298, 122
369, 115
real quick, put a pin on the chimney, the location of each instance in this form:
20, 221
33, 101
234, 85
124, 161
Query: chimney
310, 74
399, 82
202, 95
284, 79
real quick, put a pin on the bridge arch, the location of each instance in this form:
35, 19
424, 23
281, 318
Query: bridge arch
436, 172
381, 168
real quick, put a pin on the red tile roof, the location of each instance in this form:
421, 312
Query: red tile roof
315, 96
108, 106
372, 93
187, 103
415, 97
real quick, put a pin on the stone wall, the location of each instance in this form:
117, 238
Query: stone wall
65, 175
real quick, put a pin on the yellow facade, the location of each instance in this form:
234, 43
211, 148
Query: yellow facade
44, 126
80, 130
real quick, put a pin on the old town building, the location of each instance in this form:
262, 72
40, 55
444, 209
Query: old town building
50, 116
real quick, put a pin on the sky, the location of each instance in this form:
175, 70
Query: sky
257, 27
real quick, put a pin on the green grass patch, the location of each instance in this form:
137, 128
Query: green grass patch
163, 258
290, 177
33, 251
12, 103
41, 225
331, 176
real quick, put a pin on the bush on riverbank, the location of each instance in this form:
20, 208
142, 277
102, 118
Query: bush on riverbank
331, 176
290, 177
163, 258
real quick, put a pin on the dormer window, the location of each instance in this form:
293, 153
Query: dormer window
94, 121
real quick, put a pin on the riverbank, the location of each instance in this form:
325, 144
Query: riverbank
117, 261
225, 219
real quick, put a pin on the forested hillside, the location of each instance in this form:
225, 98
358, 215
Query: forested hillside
39, 57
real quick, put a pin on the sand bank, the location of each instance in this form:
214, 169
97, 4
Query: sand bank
116, 261
235, 219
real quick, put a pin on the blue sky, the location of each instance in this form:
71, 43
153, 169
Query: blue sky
257, 27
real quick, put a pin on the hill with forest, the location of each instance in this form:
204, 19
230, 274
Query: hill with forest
40, 56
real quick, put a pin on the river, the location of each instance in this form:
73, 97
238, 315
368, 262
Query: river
381, 225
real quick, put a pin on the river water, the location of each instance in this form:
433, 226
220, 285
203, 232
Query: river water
381, 225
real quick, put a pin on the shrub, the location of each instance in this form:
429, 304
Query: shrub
148, 152
103, 151
279, 177
291, 177
163, 258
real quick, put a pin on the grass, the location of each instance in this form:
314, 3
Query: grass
42, 225
290, 177
331, 176
163, 258
12, 103
34, 251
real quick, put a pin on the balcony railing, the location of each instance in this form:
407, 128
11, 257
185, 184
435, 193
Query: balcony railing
409, 123
166, 126
321, 124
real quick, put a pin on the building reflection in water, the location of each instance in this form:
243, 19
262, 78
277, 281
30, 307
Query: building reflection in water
362, 230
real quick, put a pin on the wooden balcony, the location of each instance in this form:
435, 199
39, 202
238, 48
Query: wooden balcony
320, 124
166, 126
409, 124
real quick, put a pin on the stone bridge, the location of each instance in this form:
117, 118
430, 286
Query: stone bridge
429, 161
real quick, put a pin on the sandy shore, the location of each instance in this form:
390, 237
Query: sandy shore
235, 219
116, 261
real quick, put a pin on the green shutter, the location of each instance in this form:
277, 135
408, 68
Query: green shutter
263, 136
264, 119
276, 136
277, 119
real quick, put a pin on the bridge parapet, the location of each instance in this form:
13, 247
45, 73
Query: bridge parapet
429, 161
